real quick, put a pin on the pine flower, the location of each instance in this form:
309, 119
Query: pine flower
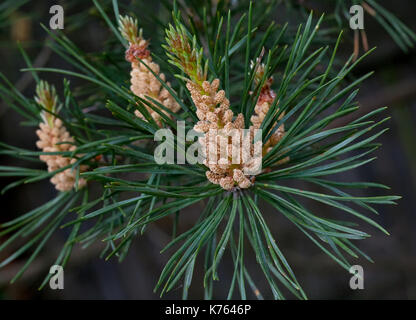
216, 119
143, 83
264, 102
219, 128
54, 137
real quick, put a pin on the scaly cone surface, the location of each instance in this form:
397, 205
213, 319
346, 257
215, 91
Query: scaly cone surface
54, 137
143, 82
264, 102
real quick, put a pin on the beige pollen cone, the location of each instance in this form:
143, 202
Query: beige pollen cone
144, 83
264, 102
52, 139
219, 128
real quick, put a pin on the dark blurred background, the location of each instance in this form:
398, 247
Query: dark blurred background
392, 276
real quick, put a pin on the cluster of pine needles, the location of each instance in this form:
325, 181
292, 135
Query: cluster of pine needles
114, 148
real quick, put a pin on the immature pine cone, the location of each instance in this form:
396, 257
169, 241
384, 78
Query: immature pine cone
216, 122
143, 83
52, 137
264, 102
48, 142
